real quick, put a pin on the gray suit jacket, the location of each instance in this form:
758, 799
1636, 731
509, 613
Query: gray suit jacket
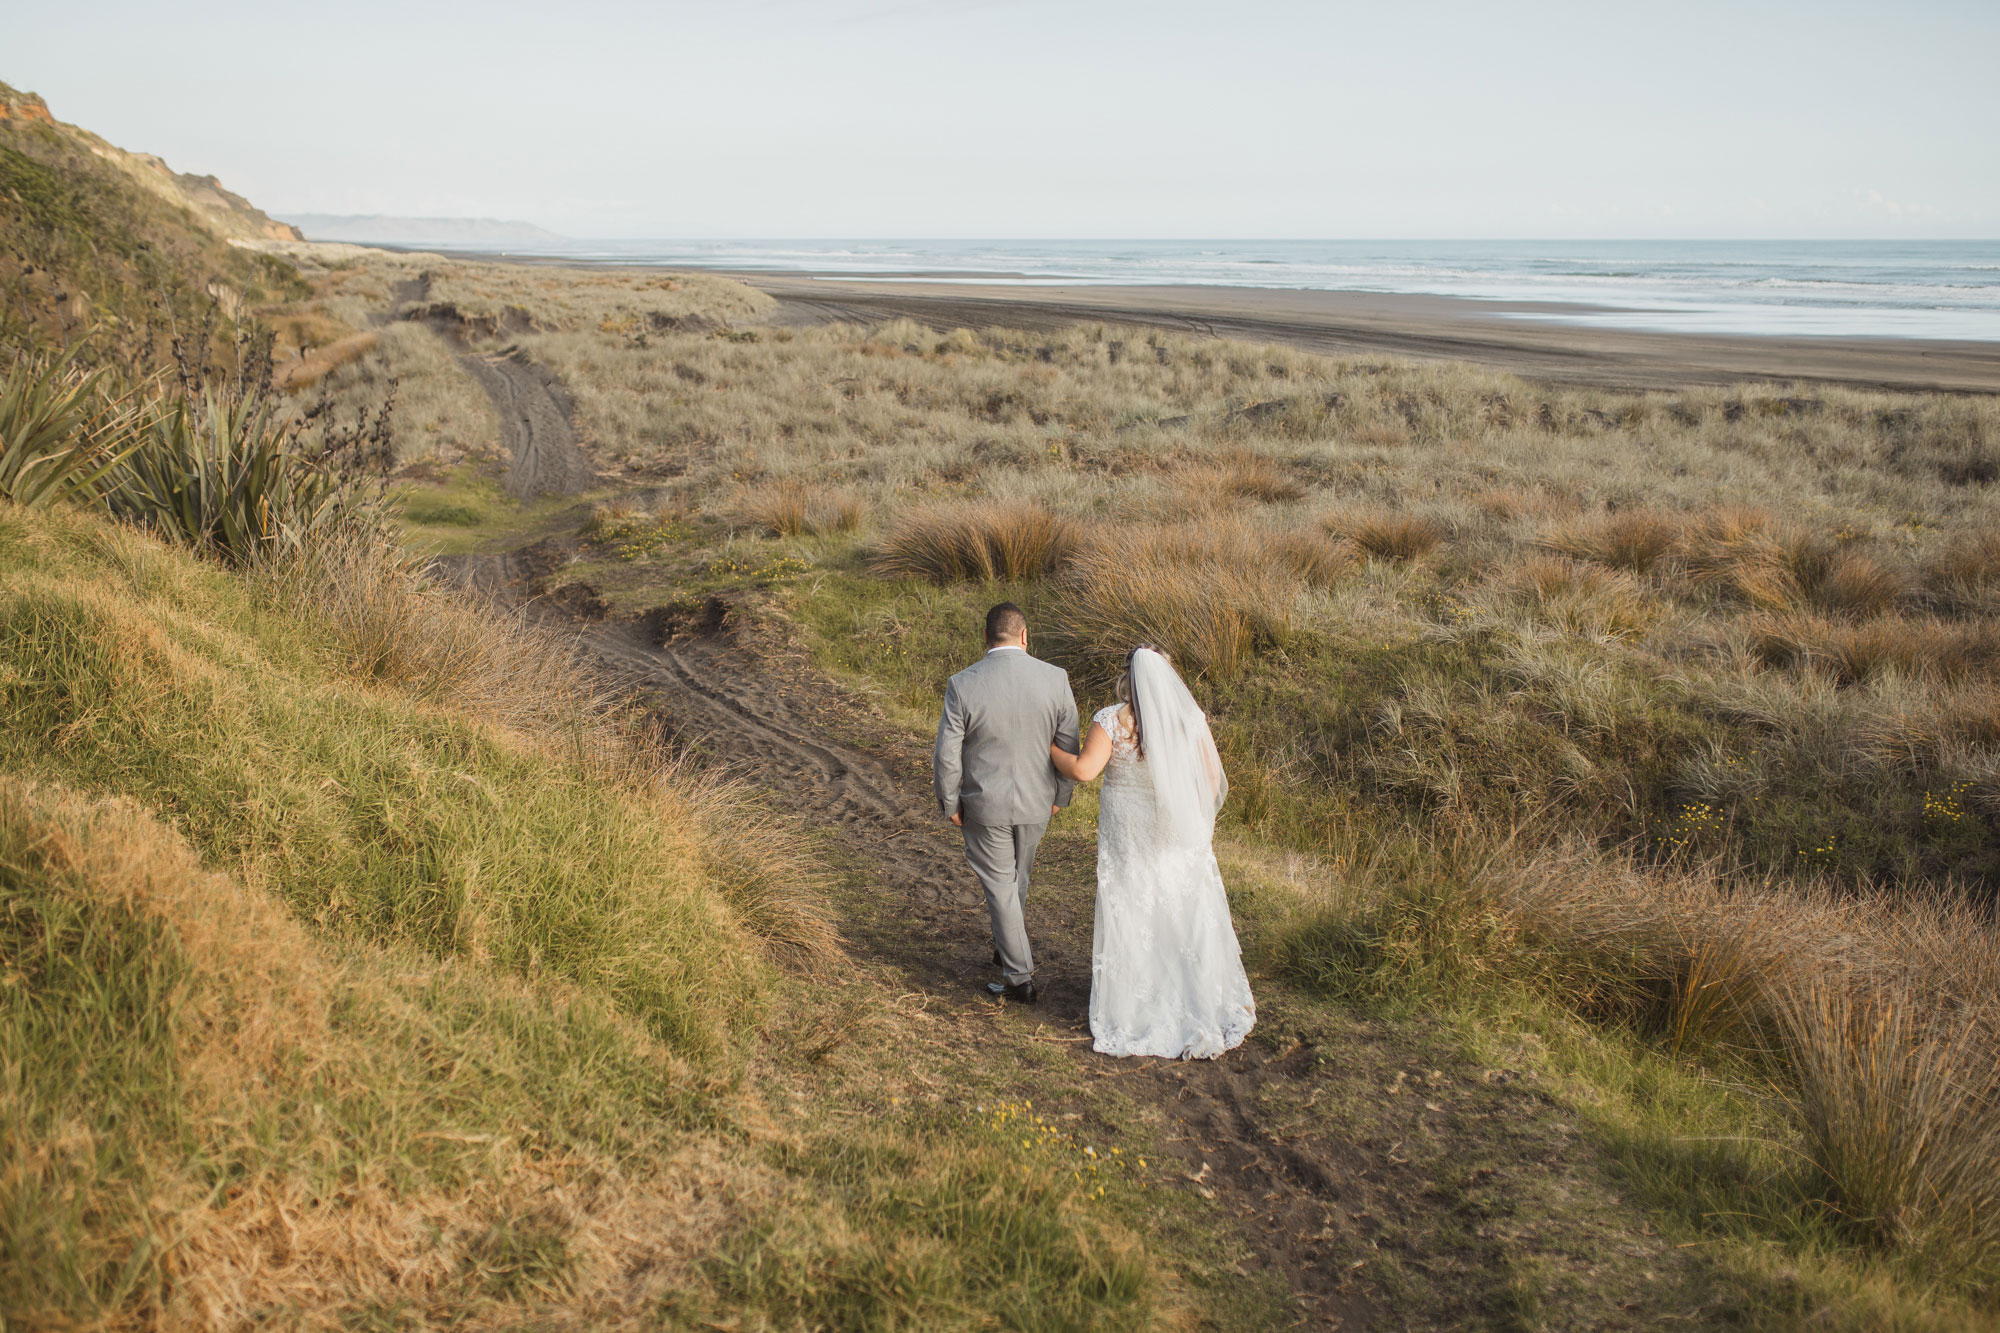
992, 758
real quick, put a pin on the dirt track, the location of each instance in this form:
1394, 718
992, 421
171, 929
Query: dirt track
537, 416
1321, 1195
816, 754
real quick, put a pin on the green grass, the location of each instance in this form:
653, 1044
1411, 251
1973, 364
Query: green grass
464, 510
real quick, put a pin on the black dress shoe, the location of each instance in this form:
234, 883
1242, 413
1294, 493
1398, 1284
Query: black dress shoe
1024, 993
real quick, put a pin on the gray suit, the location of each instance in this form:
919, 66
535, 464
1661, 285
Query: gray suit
992, 767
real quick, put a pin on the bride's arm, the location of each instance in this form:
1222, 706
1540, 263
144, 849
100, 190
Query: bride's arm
1087, 765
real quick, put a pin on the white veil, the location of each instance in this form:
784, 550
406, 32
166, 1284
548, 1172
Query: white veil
1188, 781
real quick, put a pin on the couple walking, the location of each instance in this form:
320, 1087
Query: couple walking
1166, 976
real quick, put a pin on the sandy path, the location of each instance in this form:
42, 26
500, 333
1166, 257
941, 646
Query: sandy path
535, 424
537, 415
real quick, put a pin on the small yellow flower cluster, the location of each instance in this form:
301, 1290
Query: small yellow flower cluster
1088, 1167
777, 568
1695, 820
1948, 807
633, 538
1826, 852
1444, 606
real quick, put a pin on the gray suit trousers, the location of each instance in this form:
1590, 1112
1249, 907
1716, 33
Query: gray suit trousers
1002, 855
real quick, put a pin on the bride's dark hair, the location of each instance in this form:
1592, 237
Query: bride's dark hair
1130, 699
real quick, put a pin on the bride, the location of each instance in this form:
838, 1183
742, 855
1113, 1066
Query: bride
1166, 976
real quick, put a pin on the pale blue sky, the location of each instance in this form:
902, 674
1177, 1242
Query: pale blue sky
1013, 118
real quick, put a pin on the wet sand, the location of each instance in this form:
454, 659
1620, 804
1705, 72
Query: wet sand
1431, 327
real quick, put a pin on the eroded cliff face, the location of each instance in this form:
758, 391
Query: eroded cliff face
23, 106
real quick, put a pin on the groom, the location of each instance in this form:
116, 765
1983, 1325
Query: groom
993, 778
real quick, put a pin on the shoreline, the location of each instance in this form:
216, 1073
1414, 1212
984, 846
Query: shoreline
1350, 323
1424, 327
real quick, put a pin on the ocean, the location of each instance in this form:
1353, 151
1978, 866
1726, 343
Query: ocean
1873, 289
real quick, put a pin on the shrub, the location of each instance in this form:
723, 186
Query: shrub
1632, 539
1389, 536
983, 541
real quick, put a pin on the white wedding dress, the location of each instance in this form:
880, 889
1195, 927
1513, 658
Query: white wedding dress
1166, 974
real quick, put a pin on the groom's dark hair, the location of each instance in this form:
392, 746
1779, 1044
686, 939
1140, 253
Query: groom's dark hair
1005, 621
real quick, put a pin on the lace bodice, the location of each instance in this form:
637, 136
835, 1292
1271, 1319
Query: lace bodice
1126, 766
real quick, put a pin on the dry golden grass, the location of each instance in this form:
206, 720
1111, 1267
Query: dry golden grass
981, 541
395, 626
1241, 475
1512, 503
1880, 1013
1389, 536
1575, 597
793, 509
1922, 647
1631, 539
1206, 593
1317, 557
1902, 1118
1964, 576
301, 373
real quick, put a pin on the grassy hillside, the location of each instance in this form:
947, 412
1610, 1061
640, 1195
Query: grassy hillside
349, 989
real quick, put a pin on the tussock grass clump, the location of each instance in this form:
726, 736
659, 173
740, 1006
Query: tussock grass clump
1387, 535
981, 541
1749, 555
1964, 577
1922, 647
1575, 597
1508, 503
1240, 474
1318, 557
1901, 1114
794, 508
1630, 539
1209, 594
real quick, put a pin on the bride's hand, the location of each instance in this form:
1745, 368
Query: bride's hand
1064, 761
